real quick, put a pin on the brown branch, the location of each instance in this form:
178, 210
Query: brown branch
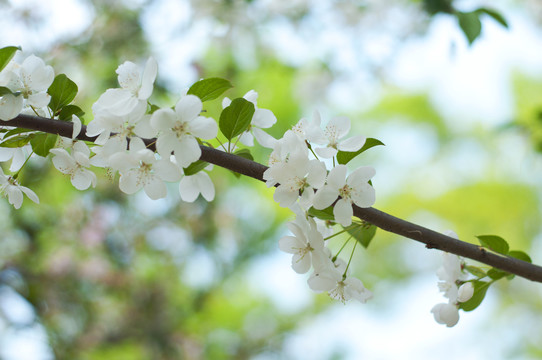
387, 222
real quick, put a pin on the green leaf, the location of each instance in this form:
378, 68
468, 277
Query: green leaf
324, 214
480, 290
495, 243
209, 89
476, 271
343, 157
470, 24
62, 92
69, 110
6, 54
4, 90
495, 15
363, 233
236, 118
496, 274
152, 108
42, 143
195, 167
17, 141
244, 153
520, 255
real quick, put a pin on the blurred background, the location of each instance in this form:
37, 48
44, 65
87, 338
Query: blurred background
101, 275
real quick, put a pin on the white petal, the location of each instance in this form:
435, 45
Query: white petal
364, 196
166, 143
206, 186
337, 177
203, 127
189, 189
316, 174
155, 188
10, 106
343, 212
15, 196
39, 100
188, 107
167, 171
163, 119
340, 125
226, 102
285, 196
352, 144
290, 244
76, 126
263, 118
251, 96
325, 197
263, 138
247, 138
301, 264
187, 151
326, 153
147, 81
361, 175
128, 75
81, 180
128, 182
30, 194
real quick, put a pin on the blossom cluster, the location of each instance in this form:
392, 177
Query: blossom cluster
148, 147
453, 283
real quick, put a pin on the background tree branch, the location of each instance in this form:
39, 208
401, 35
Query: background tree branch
387, 222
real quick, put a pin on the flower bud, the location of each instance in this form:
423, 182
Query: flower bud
465, 292
447, 314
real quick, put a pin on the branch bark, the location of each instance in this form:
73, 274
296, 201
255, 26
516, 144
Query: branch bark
387, 222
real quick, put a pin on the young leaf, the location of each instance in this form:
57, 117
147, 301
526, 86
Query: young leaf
4, 90
470, 24
520, 255
69, 110
363, 233
343, 157
480, 290
195, 167
496, 274
62, 92
17, 141
495, 243
42, 143
236, 118
209, 89
6, 54
324, 214
476, 271
244, 153
495, 15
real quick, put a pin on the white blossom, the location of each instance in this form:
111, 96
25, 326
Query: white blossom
14, 191
306, 245
136, 88
191, 186
139, 168
180, 128
76, 165
447, 314
332, 136
354, 189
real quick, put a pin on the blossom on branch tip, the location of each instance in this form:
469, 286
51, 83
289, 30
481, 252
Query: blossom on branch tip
306, 245
180, 128
14, 191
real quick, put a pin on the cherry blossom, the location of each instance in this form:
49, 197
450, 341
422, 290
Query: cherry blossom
136, 88
180, 128
76, 165
14, 191
354, 189
139, 168
307, 244
200, 183
331, 136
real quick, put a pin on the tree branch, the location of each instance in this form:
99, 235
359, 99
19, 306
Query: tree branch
387, 222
